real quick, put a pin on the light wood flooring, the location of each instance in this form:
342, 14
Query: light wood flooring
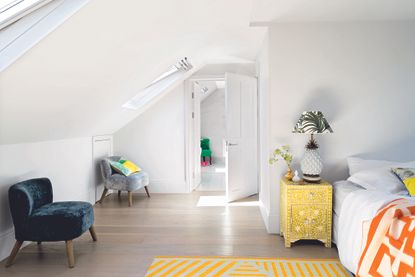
129, 238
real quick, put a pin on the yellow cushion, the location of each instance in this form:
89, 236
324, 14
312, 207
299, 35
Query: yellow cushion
131, 166
410, 185
407, 176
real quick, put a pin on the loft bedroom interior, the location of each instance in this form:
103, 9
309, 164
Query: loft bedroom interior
184, 138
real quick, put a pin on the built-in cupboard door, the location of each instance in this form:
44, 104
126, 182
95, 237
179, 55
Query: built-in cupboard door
102, 148
241, 140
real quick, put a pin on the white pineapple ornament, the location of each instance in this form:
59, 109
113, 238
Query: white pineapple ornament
311, 164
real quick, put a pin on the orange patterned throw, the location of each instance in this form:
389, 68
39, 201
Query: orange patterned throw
389, 245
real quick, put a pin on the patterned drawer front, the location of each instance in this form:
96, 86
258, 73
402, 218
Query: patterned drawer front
299, 221
308, 221
318, 218
308, 195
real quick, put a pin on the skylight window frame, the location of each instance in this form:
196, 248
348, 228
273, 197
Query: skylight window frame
172, 70
19, 37
9, 5
15, 10
182, 65
159, 85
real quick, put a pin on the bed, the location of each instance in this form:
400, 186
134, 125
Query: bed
352, 205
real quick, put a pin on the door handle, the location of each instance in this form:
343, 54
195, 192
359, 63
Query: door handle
230, 144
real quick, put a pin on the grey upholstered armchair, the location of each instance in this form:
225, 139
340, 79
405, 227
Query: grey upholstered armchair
116, 181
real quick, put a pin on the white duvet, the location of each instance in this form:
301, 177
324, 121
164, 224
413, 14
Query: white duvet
357, 207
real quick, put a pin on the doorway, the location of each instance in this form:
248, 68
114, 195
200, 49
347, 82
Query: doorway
212, 135
223, 135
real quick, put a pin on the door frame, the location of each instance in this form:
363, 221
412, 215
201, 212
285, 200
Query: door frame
188, 105
96, 179
189, 130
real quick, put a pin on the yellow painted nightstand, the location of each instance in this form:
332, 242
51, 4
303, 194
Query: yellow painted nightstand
305, 212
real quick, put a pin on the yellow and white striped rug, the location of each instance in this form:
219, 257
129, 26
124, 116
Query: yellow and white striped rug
231, 266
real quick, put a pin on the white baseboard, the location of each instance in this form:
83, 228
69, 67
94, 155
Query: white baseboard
271, 220
7, 241
274, 223
264, 214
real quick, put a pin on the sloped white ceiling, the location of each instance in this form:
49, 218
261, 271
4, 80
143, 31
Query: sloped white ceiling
266, 11
74, 82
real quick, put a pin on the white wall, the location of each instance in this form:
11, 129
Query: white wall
67, 163
360, 75
212, 117
262, 68
155, 141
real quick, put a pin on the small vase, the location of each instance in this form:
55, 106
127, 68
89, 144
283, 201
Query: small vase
296, 178
289, 175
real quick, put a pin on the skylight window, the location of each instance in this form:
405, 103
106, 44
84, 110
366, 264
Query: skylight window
182, 65
158, 85
13, 10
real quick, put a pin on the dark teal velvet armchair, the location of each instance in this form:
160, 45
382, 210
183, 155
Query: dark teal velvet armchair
37, 218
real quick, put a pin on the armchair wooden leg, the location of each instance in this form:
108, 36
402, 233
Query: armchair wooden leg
93, 234
14, 252
148, 194
69, 253
103, 195
130, 198
119, 194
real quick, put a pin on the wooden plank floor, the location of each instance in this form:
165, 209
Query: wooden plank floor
129, 238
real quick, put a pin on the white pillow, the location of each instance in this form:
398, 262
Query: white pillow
359, 164
382, 179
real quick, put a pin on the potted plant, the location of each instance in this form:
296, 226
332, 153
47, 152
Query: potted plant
285, 154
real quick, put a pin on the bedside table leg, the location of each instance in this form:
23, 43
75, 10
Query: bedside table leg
287, 243
328, 244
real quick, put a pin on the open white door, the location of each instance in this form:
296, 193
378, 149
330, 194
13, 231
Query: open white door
241, 130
